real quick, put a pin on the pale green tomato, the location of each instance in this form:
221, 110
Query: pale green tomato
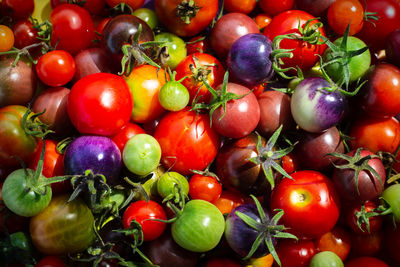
142, 154
176, 48
173, 96
148, 15
326, 259
166, 183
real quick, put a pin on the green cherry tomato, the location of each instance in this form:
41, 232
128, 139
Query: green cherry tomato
63, 227
326, 259
147, 15
173, 96
176, 48
167, 182
199, 227
391, 196
141, 154
19, 198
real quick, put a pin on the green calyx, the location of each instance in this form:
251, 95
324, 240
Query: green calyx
32, 124
187, 10
358, 164
268, 156
267, 228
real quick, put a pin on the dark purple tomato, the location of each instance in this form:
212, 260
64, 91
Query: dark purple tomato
93, 60
228, 29
392, 47
312, 148
54, 101
97, 153
314, 7
249, 59
165, 252
17, 84
235, 169
274, 112
368, 187
240, 117
120, 30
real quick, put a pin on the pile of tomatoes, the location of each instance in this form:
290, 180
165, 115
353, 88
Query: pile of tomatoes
200, 133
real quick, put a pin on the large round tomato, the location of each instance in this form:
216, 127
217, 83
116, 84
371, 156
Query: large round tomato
187, 141
310, 203
73, 28
145, 83
63, 228
145, 213
191, 18
305, 55
14, 141
100, 104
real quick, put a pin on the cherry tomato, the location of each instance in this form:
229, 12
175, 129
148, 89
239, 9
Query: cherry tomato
366, 262
25, 34
127, 132
229, 200
295, 253
309, 201
143, 212
273, 8
344, 12
337, 240
262, 21
240, 6
204, 187
350, 214
51, 261
56, 68
6, 38
17, 9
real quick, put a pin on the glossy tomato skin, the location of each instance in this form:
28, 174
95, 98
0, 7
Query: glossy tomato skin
240, 117
304, 55
204, 187
344, 12
295, 253
50, 234
143, 212
14, 140
337, 240
24, 34
239, 6
229, 200
166, 12
17, 9
382, 96
274, 8
127, 132
310, 202
70, 21
187, 141
100, 103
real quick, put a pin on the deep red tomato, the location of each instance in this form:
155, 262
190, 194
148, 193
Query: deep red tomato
366, 262
350, 214
95, 7
56, 68
17, 9
374, 34
73, 28
134, 4
127, 132
204, 187
290, 163
100, 104
309, 201
222, 262
366, 245
199, 15
228, 201
305, 55
50, 261
382, 93
143, 212
375, 134
24, 34
273, 8
344, 12
187, 141
53, 164
198, 44
240, 6
196, 67
295, 253
337, 240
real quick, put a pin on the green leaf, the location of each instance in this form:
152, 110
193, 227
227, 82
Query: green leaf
249, 221
256, 244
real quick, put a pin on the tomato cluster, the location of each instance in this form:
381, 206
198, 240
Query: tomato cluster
199, 133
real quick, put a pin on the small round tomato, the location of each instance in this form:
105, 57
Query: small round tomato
127, 132
337, 240
352, 221
366, 262
262, 21
309, 201
25, 34
144, 213
6, 38
229, 200
148, 16
344, 12
173, 96
273, 8
204, 187
17, 9
56, 68
141, 154
295, 253
51, 261
168, 181
326, 259
176, 48
239, 6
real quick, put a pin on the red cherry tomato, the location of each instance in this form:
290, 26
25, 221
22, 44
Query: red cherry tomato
127, 132
366, 262
273, 8
51, 261
228, 201
145, 213
295, 253
204, 187
337, 240
344, 12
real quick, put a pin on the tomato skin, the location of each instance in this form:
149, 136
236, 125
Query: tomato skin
366, 262
17, 9
48, 228
70, 21
228, 200
273, 8
187, 141
337, 240
310, 202
343, 12
100, 104
134, 4
304, 55
143, 212
375, 134
14, 140
50, 261
375, 222
24, 34
145, 83
382, 97
56, 68
127, 132
295, 253
166, 12
204, 187
6, 38
240, 6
